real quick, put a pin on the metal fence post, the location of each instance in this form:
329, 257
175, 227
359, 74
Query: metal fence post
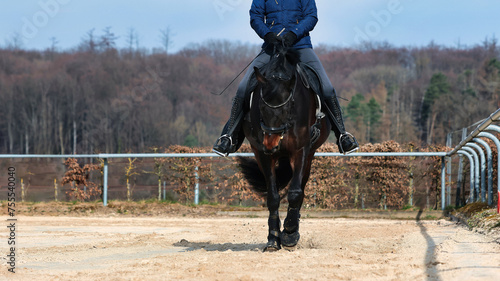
443, 184
459, 180
448, 171
196, 186
105, 183
460, 173
164, 190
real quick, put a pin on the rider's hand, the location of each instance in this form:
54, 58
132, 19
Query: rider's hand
289, 39
272, 39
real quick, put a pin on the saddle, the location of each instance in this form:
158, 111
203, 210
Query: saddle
311, 80
309, 77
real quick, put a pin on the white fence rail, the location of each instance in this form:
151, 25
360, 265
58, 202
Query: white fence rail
106, 156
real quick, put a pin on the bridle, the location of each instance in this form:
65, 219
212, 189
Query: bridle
287, 125
290, 96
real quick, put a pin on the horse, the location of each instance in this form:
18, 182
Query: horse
285, 127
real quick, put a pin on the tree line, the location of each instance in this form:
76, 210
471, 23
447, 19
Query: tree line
99, 98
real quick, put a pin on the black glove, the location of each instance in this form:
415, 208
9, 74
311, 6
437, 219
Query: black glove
272, 39
289, 39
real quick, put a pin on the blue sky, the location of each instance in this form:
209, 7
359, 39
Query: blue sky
341, 23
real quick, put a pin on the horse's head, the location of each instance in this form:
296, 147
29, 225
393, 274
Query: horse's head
277, 83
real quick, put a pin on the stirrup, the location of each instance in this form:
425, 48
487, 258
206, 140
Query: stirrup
220, 153
347, 134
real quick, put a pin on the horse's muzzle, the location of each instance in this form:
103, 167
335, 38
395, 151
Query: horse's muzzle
272, 143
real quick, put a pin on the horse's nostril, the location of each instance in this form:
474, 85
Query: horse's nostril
271, 142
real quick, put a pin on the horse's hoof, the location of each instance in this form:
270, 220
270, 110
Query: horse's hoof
270, 249
290, 249
272, 246
290, 240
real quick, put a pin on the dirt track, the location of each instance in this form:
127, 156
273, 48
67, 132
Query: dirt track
228, 247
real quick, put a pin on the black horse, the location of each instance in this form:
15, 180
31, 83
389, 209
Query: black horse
284, 126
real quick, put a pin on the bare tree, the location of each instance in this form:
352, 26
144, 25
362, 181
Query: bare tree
15, 43
166, 38
132, 39
88, 43
108, 39
51, 51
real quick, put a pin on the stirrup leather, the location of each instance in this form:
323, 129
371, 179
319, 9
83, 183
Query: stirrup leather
220, 153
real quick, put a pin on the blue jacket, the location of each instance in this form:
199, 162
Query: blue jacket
298, 16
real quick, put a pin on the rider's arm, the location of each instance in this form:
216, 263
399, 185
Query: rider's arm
257, 18
309, 21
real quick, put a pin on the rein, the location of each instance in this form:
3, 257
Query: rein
280, 105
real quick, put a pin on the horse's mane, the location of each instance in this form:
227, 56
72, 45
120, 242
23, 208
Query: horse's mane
280, 59
280, 69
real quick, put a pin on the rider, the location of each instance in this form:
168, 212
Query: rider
287, 23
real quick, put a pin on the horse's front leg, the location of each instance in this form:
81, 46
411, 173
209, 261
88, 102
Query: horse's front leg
301, 170
273, 204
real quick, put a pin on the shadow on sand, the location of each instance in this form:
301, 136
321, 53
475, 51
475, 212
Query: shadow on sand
208, 246
430, 264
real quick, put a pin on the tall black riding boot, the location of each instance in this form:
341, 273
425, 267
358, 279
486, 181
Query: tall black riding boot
226, 143
347, 142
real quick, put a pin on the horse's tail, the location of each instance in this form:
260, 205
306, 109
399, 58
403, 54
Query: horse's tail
254, 176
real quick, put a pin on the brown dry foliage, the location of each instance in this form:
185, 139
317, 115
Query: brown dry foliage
83, 188
182, 171
335, 182
379, 179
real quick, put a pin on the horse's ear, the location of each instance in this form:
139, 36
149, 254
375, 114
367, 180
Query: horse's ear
259, 76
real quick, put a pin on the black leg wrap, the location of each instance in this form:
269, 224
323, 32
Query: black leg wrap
273, 238
290, 235
273, 241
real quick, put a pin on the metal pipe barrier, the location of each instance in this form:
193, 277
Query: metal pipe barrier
482, 169
496, 129
471, 161
474, 190
495, 116
470, 141
489, 168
